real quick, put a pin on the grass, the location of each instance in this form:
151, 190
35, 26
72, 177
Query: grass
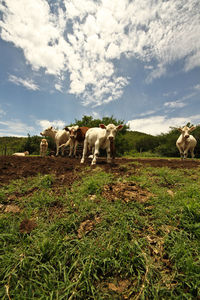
84, 245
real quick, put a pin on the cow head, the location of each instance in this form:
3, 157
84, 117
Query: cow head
47, 131
43, 141
111, 130
73, 130
186, 131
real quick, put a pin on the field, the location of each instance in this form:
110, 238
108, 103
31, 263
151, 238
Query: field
126, 230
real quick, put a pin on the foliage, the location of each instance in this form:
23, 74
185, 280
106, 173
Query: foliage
89, 121
32, 144
167, 144
9, 145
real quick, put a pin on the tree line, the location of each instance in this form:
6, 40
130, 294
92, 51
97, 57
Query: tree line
128, 143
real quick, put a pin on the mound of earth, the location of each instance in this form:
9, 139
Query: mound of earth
66, 169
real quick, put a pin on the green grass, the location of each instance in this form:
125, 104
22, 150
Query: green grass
132, 250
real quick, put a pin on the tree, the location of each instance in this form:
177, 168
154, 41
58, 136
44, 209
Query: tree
32, 144
167, 143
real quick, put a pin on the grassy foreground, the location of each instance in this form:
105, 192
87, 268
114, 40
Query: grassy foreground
132, 234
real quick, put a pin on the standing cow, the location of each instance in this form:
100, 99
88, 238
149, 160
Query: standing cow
103, 138
77, 136
186, 142
59, 136
43, 147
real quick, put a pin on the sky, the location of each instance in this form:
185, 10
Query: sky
138, 61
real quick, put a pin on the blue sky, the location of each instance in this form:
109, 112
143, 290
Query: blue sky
136, 60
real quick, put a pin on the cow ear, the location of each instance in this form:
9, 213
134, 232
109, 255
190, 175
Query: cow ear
102, 126
120, 127
179, 129
76, 127
192, 128
67, 128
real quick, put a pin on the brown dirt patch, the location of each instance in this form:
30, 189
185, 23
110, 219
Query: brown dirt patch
67, 169
87, 226
12, 209
27, 225
126, 191
120, 287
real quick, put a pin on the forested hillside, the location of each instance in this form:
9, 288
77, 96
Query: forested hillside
128, 143
10, 144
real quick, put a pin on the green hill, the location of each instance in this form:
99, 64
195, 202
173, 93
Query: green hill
10, 144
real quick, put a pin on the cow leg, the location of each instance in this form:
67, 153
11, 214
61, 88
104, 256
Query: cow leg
108, 154
181, 152
71, 148
75, 147
92, 155
96, 153
185, 154
62, 150
85, 146
57, 149
61, 147
192, 152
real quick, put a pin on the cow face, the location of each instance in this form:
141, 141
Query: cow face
43, 141
111, 130
73, 130
186, 131
47, 131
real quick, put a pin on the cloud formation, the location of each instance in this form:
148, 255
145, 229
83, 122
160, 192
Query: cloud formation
29, 84
175, 104
79, 41
44, 124
14, 125
160, 124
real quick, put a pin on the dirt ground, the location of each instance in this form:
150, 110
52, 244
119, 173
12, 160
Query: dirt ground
67, 169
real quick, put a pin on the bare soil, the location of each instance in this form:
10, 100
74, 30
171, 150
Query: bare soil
67, 169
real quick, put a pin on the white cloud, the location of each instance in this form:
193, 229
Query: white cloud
147, 113
160, 124
175, 104
193, 61
83, 38
96, 115
44, 124
29, 84
58, 87
197, 87
148, 67
14, 128
156, 73
180, 102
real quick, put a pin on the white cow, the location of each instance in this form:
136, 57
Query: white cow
59, 136
97, 138
186, 142
43, 147
21, 153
